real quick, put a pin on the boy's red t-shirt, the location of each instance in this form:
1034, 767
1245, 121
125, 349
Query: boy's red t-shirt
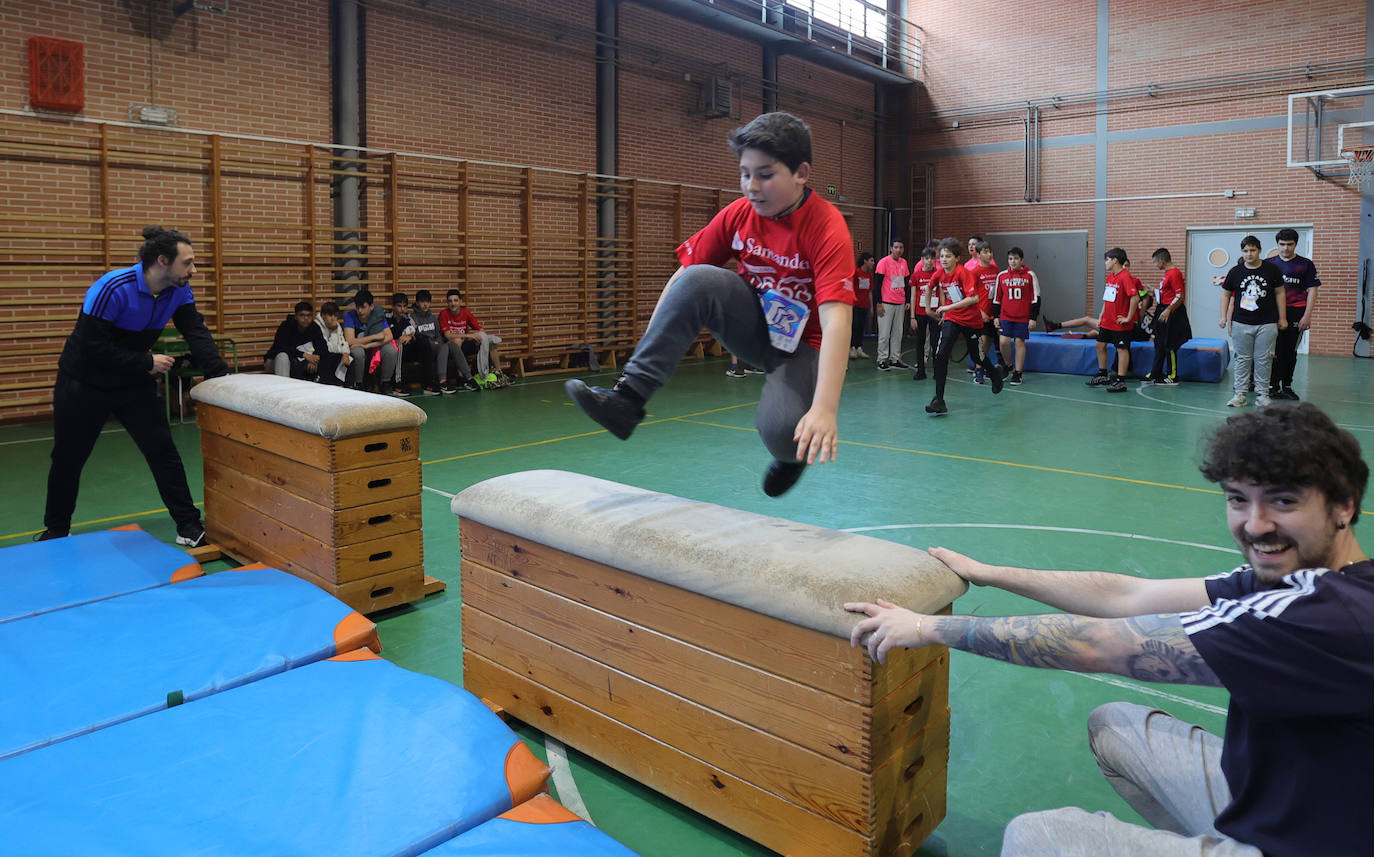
863, 287
1016, 293
806, 255
1170, 287
986, 275
921, 285
1116, 300
460, 323
955, 286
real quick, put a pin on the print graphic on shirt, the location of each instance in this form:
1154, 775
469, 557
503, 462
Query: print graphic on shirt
1252, 289
790, 276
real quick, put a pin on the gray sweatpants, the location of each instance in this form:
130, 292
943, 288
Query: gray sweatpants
1169, 771
723, 303
890, 325
361, 357
1252, 345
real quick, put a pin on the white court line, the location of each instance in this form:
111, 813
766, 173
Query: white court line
38, 439
437, 491
563, 781
1115, 681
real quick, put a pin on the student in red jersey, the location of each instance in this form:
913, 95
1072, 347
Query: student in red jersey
1016, 303
959, 318
985, 273
1170, 326
893, 297
863, 296
924, 298
1116, 324
788, 309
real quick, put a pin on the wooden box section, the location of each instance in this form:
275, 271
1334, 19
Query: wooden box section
785, 734
344, 514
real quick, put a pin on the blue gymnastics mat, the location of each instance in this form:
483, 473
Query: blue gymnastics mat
1198, 359
347, 757
541, 827
69, 672
42, 576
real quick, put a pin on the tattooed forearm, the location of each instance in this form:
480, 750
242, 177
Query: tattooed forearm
1150, 648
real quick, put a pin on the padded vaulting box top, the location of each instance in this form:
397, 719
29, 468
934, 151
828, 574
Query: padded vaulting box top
799, 573
331, 412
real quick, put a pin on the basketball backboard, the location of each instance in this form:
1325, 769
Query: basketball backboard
1322, 122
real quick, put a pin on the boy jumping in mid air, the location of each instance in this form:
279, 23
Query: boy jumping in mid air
788, 309
1016, 302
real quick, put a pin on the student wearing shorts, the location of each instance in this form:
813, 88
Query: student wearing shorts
1015, 303
1116, 324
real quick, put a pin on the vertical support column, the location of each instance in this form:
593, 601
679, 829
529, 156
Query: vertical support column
527, 227
1100, 146
105, 249
584, 257
308, 200
217, 229
464, 220
770, 79
393, 216
607, 155
1364, 284
345, 175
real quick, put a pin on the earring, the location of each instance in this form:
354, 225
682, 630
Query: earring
1342, 525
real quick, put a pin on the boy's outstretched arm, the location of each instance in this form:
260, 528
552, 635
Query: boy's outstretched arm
818, 433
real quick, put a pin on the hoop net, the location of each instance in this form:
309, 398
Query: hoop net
1361, 161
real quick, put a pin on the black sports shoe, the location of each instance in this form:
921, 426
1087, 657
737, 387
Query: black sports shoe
997, 376
898, 364
192, 538
1288, 394
1015, 379
1098, 380
781, 476
51, 534
470, 386
884, 366
613, 410
919, 375
937, 406
1117, 385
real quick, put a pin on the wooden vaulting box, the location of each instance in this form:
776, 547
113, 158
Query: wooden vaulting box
704, 652
318, 481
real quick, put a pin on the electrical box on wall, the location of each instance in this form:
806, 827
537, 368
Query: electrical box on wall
57, 74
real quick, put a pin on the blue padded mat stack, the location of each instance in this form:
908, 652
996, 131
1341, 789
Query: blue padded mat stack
42, 576
537, 828
1198, 359
69, 672
348, 756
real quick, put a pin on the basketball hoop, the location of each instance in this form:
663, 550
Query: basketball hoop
1361, 161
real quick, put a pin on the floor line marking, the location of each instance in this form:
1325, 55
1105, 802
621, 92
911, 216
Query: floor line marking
38, 439
1043, 528
1127, 684
950, 455
437, 491
563, 781
96, 521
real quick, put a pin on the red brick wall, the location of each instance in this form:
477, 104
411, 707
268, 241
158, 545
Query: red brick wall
969, 64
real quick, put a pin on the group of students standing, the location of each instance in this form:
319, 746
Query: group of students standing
368, 341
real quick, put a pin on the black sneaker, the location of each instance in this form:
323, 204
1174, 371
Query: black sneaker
1117, 385
937, 406
884, 366
193, 538
919, 375
1052, 326
614, 411
898, 364
781, 476
470, 386
48, 534
1288, 394
1098, 380
734, 372
753, 370
449, 389
431, 390
997, 375
1015, 379
399, 392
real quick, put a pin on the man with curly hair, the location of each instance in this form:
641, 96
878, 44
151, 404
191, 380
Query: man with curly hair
1290, 634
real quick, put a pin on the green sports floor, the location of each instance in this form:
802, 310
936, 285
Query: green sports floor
1049, 474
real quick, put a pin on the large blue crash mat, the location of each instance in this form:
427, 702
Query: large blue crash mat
42, 576
1198, 359
69, 672
347, 757
541, 827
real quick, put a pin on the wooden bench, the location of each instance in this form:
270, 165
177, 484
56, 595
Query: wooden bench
319, 481
704, 652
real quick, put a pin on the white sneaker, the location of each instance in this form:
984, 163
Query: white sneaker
861, 353
1237, 401
1262, 401
853, 353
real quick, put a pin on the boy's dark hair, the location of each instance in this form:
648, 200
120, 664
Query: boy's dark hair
863, 258
896, 239
952, 245
981, 246
363, 296
781, 136
1017, 252
329, 308
1293, 445
451, 292
976, 238
160, 242
929, 252
399, 297
1163, 255
423, 295
1287, 235
304, 306
1118, 254
1250, 241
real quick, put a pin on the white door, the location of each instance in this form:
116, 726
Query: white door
1212, 251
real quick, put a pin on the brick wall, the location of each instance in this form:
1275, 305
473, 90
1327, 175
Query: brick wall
970, 64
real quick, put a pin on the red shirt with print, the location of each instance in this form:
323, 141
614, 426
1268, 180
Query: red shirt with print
1016, 293
986, 275
463, 322
1170, 288
1116, 300
921, 289
805, 255
863, 287
955, 286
